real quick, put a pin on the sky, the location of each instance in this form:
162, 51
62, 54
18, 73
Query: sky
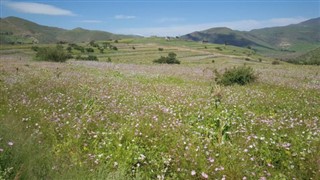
161, 18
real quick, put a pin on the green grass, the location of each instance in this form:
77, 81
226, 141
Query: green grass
132, 119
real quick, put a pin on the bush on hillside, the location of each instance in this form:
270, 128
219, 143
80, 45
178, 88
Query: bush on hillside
170, 59
77, 47
241, 75
90, 50
55, 54
88, 58
35, 48
275, 62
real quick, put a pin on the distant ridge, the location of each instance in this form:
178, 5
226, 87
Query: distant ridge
300, 37
18, 30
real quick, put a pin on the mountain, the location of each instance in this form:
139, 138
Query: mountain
17, 30
223, 35
292, 38
296, 37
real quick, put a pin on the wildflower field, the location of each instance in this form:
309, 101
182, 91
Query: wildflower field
132, 119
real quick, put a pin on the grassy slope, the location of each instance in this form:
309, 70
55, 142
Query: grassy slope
23, 30
311, 57
131, 119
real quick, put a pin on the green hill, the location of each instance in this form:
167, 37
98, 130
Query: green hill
83, 35
223, 35
17, 30
312, 58
298, 38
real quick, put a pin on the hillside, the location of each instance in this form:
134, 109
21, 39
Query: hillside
17, 30
296, 37
292, 38
223, 35
83, 35
312, 57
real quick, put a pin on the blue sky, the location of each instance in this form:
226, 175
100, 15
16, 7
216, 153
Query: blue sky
162, 18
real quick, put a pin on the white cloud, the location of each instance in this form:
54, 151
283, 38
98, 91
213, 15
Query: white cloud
91, 21
287, 21
124, 17
243, 25
38, 8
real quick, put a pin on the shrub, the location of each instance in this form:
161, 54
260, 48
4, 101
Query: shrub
56, 54
275, 62
79, 48
109, 59
213, 61
237, 75
170, 59
101, 49
93, 44
219, 48
69, 49
89, 49
92, 58
115, 48
35, 48
160, 49
161, 60
89, 58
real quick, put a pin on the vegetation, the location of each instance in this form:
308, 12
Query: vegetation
309, 58
88, 58
241, 75
170, 59
275, 62
56, 54
90, 50
133, 119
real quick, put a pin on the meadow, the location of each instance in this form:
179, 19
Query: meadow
133, 119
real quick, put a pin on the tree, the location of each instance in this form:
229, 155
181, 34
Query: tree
93, 44
170, 59
56, 54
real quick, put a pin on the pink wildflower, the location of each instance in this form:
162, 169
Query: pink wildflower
193, 172
204, 175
